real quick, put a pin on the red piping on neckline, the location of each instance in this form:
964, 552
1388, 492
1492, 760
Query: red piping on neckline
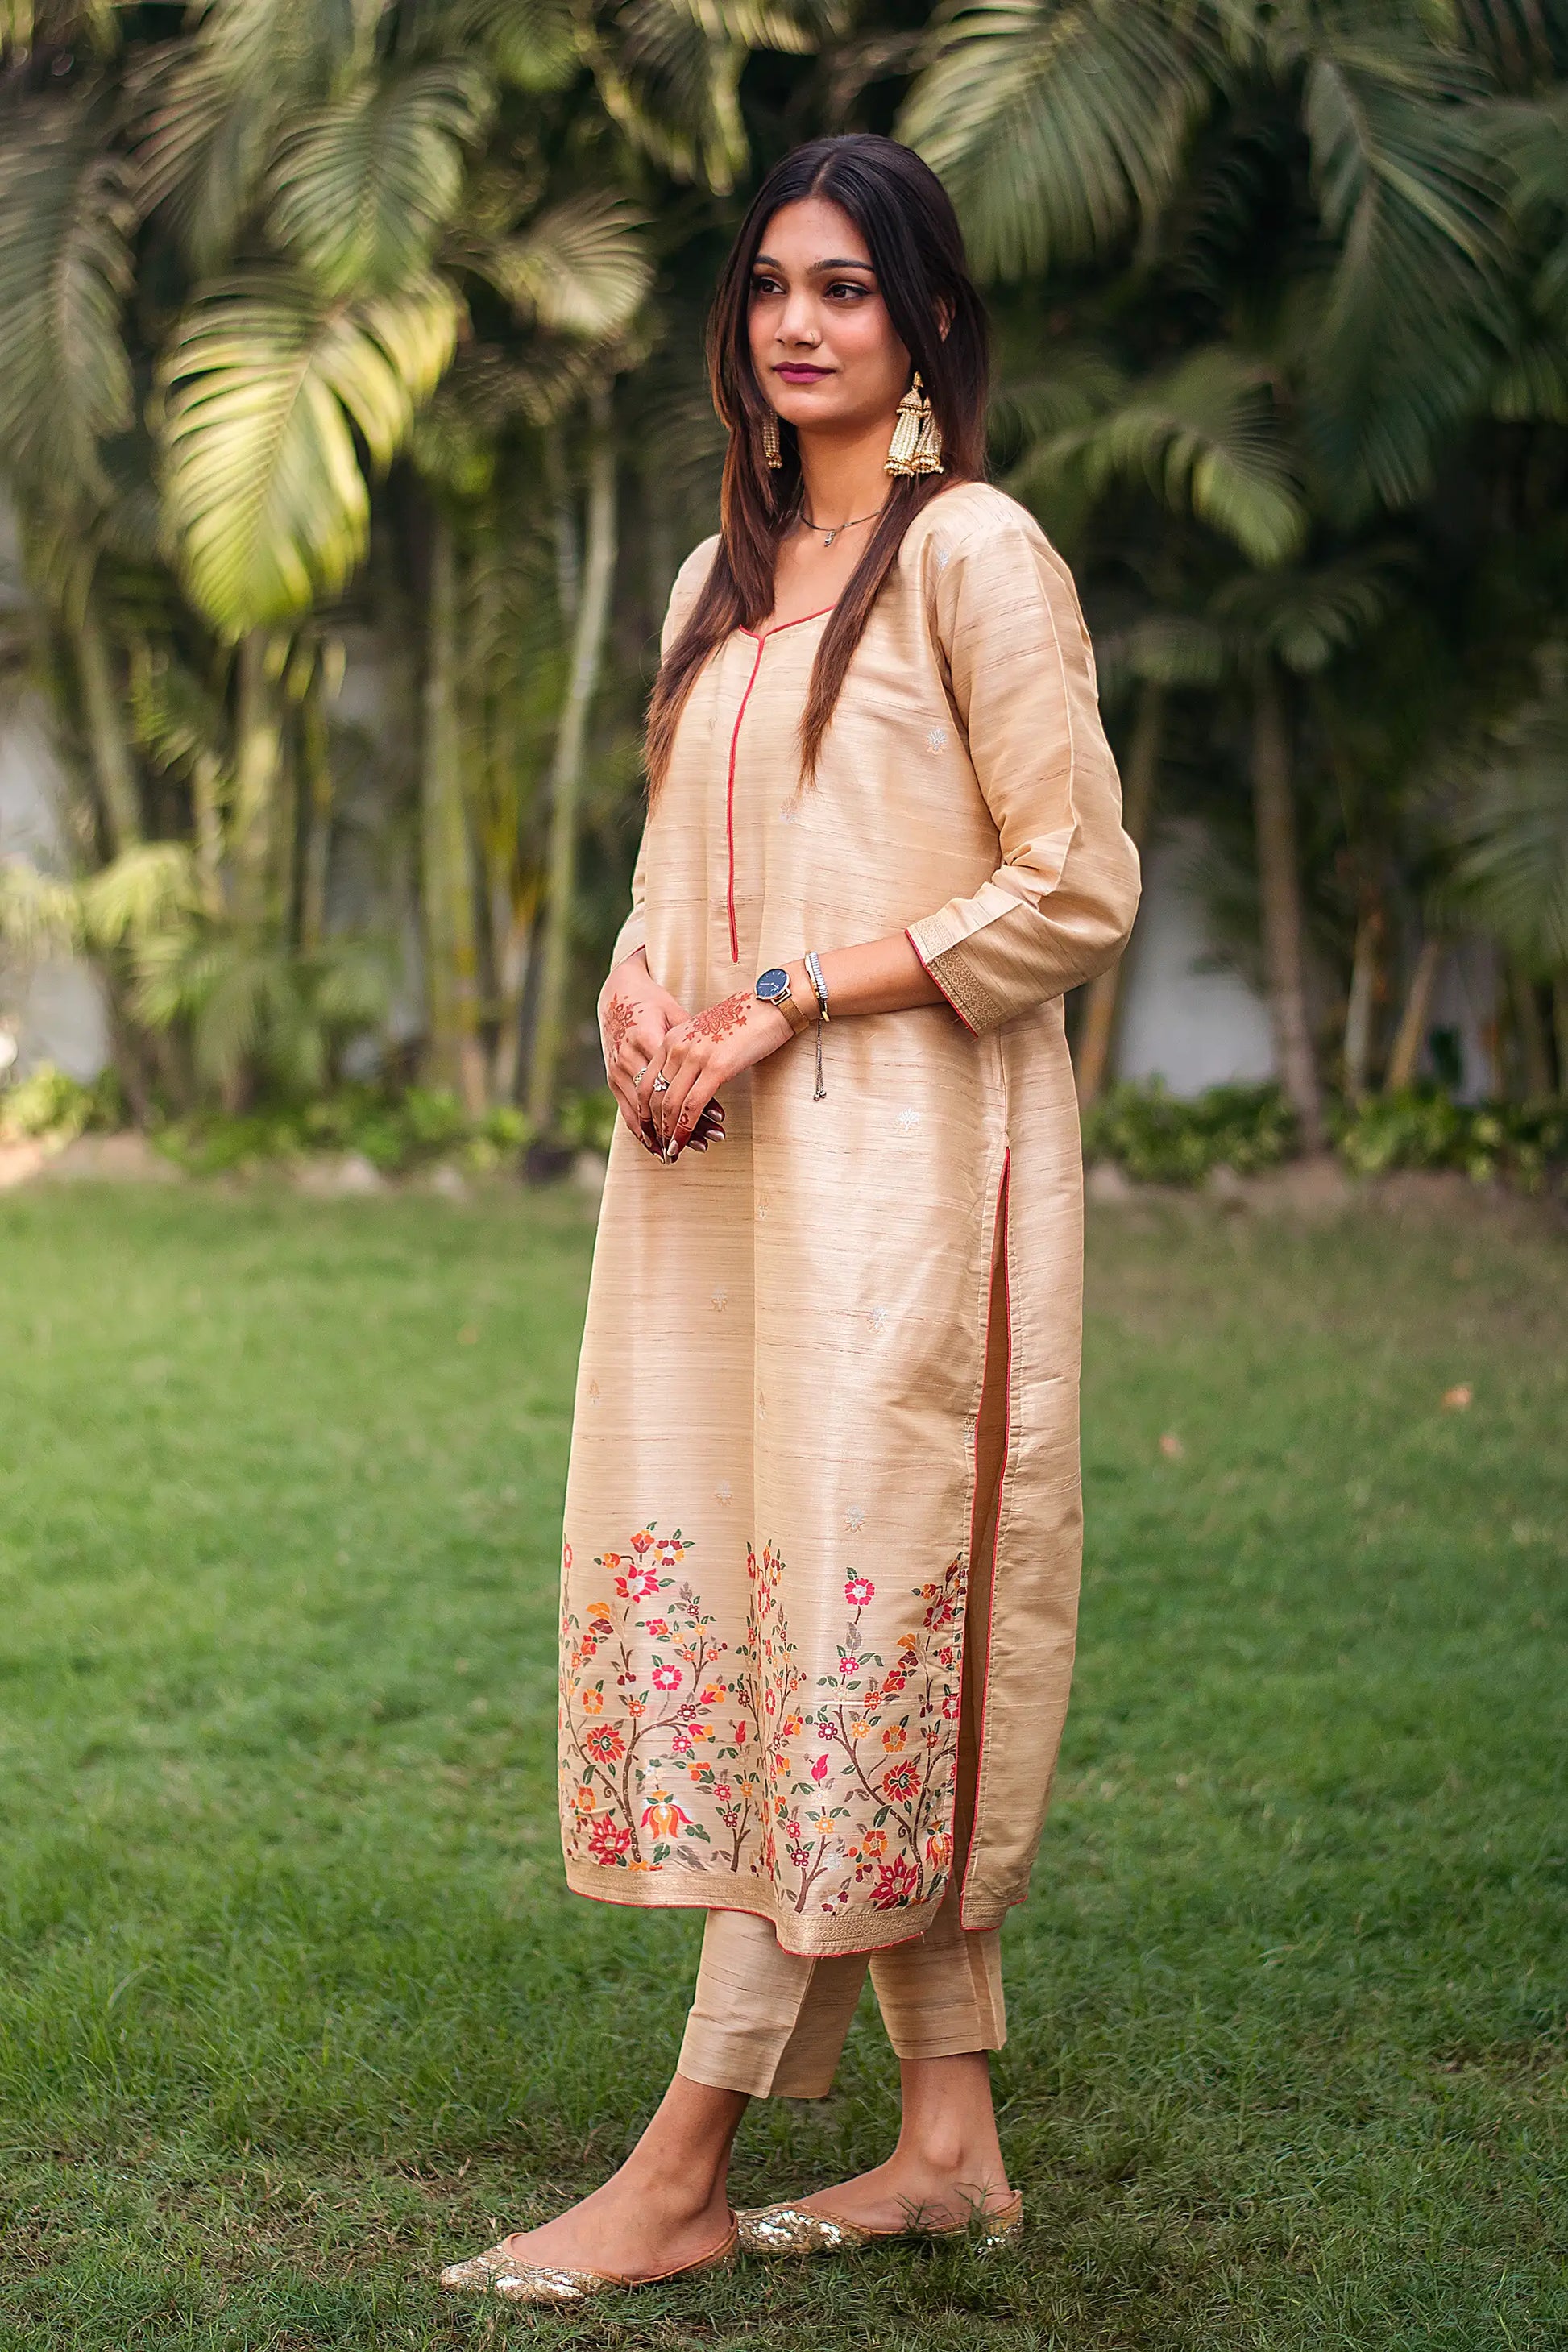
762, 636
996, 1530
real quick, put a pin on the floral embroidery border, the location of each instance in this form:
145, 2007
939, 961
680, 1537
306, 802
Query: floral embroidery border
850, 1791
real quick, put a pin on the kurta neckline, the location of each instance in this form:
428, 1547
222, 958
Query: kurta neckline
762, 636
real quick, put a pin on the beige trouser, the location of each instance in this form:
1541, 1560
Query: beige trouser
772, 2022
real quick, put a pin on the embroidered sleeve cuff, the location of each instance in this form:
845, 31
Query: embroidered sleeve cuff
951, 984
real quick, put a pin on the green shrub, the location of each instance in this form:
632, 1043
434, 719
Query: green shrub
588, 1119
1524, 1143
395, 1132
1160, 1140
46, 1103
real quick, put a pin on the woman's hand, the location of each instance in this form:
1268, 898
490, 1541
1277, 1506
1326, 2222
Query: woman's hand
699, 1056
636, 1015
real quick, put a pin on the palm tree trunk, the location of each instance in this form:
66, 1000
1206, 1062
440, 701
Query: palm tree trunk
1279, 886
451, 947
1099, 1031
1364, 964
511, 905
566, 774
113, 770
1534, 1054
319, 818
1560, 1026
1411, 1033
257, 747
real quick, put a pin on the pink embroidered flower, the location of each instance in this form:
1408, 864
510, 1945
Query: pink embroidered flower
657, 1629
900, 1780
896, 1883
638, 1584
819, 1769
566, 1558
667, 1677
858, 1591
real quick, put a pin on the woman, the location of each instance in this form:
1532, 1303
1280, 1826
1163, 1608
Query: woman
823, 1522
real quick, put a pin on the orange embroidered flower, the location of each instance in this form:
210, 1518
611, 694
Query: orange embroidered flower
592, 1701
582, 1800
664, 1817
858, 1730
875, 1843
604, 1744
894, 1736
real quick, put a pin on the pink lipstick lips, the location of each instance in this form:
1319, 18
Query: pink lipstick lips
799, 372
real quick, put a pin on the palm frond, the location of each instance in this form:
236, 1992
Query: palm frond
361, 190
1415, 314
581, 268
39, 913
1055, 124
65, 270
535, 45
1506, 822
1305, 617
142, 892
260, 386
1205, 439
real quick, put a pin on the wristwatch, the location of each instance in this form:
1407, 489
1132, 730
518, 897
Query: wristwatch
772, 988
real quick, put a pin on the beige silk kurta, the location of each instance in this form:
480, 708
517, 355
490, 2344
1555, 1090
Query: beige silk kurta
784, 1380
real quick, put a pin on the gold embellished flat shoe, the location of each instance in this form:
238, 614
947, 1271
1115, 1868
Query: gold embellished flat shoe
775, 2230
496, 2272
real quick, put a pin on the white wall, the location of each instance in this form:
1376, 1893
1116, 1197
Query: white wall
1192, 1028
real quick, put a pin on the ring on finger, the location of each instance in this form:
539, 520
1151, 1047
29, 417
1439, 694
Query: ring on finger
642, 1074
661, 1083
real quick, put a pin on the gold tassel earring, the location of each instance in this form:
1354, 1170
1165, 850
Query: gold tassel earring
916, 444
772, 456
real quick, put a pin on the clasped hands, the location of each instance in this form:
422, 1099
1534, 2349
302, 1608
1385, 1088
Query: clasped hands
647, 1037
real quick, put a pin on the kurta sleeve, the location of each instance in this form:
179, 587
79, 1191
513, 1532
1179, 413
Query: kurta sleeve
632, 933
1021, 677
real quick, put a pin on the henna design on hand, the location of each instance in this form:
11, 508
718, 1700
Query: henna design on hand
723, 1020
620, 1020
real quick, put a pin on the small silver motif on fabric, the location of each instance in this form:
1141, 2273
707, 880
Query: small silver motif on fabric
937, 739
908, 1120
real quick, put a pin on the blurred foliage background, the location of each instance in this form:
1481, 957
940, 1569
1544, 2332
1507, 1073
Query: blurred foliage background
370, 331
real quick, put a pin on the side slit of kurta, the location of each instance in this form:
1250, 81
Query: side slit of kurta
992, 1437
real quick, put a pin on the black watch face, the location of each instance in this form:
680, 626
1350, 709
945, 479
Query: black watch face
773, 985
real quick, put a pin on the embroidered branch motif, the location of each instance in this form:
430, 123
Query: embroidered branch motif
620, 1020
723, 1020
851, 1799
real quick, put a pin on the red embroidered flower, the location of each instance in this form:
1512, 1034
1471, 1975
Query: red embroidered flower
950, 1705
743, 1732
656, 1628
606, 1743
901, 1779
609, 1840
896, 1883
641, 1542
819, 1769
667, 1677
858, 1591
638, 1584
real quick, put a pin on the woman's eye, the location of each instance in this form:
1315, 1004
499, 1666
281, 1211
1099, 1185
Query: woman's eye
764, 286
849, 286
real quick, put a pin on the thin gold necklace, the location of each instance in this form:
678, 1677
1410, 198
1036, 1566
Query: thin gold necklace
829, 536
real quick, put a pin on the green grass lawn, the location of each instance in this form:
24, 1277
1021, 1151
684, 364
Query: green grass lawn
293, 2007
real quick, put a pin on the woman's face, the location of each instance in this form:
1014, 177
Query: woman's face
822, 346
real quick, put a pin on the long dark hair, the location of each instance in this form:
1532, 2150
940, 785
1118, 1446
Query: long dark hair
903, 212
